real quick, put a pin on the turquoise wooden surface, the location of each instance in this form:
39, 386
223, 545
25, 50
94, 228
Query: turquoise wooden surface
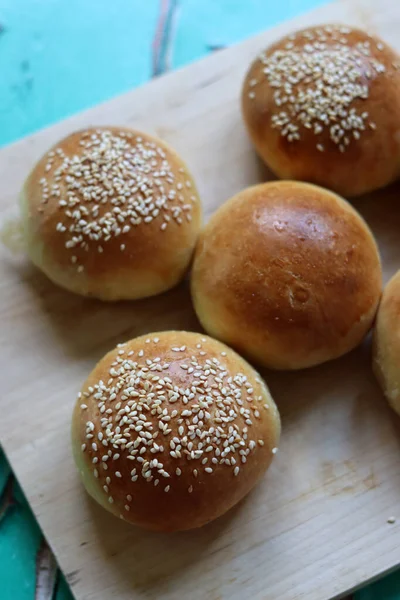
58, 57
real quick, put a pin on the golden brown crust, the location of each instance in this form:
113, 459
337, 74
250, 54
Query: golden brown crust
386, 342
287, 273
192, 496
351, 143
141, 259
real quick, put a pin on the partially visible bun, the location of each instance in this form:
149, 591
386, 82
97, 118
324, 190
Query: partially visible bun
323, 105
386, 344
287, 273
111, 213
172, 429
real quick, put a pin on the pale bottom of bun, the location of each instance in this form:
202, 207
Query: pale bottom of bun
389, 381
120, 284
386, 343
123, 284
286, 167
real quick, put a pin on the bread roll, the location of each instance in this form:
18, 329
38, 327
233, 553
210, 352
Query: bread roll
323, 105
111, 213
386, 346
172, 429
287, 273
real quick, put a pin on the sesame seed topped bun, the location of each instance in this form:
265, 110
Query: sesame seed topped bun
323, 105
386, 343
299, 281
111, 213
171, 430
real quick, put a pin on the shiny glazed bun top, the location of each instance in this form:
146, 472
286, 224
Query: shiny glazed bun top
172, 429
323, 105
287, 273
111, 213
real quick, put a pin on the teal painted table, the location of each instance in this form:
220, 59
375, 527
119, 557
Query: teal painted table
57, 58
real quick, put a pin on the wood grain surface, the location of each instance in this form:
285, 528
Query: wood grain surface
316, 527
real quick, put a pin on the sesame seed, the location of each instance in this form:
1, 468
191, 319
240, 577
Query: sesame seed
391, 520
190, 489
274, 450
316, 81
151, 418
115, 182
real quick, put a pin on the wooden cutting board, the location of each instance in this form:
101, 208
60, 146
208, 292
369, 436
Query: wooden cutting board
316, 527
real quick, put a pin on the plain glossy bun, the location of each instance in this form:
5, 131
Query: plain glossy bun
386, 347
323, 105
172, 429
111, 213
287, 273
